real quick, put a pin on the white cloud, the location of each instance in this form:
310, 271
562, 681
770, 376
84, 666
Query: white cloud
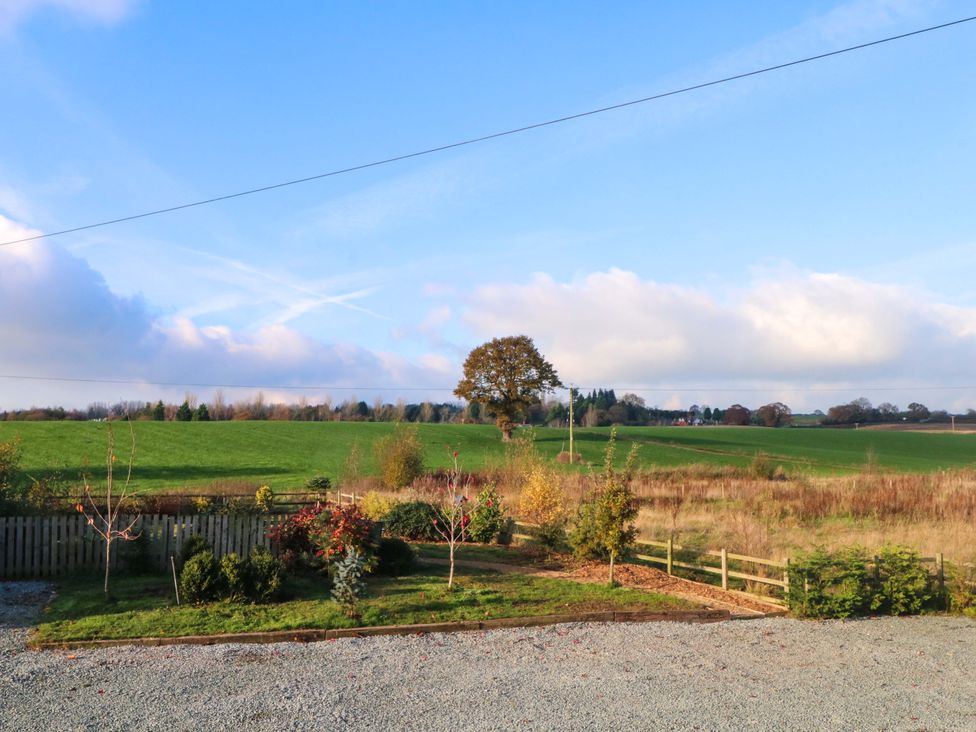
59, 318
106, 12
785, 330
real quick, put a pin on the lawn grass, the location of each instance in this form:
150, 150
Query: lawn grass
143, 606
197, 455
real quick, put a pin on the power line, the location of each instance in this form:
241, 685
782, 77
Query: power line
576, 388
492, 136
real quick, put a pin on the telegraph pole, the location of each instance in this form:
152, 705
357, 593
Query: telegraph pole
571, 424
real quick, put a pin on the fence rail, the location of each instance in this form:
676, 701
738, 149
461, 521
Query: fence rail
50, 546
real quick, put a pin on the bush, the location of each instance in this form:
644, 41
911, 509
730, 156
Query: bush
193, 545
294, 535
585, 537
830, 585
264, 575
542, 502
137, 554
319, 483
395, 557
840, 585
487, 516
903, 584
337, 528
400, 457
962, 589
264, 499
413, 520
234, 573
376, 505
201, 580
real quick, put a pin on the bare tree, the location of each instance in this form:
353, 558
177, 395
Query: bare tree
105, 522
452, 520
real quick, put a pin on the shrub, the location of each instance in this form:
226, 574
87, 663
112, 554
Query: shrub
903, 584
202, 504
193, 545
962, 589
319, 483
234, 573
294, 535
395, 557
264, 575
264, 499
542, 502
347, 585
830, 585
376, 505
761, 467
585, 537
337, 528
400, 457
487, 516
413, 520
201, 580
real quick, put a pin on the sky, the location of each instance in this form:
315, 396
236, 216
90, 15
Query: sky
805, 236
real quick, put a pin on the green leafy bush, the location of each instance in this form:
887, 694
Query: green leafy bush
585, 535
264, 575
193, 545
487, 516
830, 585
903, 584
395, 557
201, 579
962, 589
320, 483
413, 520
234, 572
842, 584
400, 457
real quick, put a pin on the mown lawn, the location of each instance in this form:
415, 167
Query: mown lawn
144, 605
180, 455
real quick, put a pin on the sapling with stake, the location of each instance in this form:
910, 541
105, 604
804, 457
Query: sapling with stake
452, 520
105, 522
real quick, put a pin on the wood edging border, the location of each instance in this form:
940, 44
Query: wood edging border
312, 635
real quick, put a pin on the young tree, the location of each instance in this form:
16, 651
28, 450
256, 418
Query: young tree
184, 413
106, 522
605, 527
506, 375
159, 411
202, 414
452, 519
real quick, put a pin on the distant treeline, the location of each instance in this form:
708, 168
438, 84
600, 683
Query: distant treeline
598, 408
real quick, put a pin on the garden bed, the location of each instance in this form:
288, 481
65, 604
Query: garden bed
144, 606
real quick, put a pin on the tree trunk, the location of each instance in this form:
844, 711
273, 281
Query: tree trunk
450, 574
108, 557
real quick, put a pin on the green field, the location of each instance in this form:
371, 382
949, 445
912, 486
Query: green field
174, 455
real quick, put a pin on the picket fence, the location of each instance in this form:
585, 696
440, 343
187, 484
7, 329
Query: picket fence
49, 546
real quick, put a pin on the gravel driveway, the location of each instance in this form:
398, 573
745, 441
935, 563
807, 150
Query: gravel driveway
886, 674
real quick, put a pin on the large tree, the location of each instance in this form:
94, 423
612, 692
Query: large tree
506, 376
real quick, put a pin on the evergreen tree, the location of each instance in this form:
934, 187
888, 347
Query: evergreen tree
159, 411
184, 413
202, 414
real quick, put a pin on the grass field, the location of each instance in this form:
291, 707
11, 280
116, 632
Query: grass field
176, 455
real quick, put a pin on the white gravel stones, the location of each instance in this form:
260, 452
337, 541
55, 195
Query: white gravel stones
879, 674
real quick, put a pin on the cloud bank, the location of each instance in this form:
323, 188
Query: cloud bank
787, 329
59, 318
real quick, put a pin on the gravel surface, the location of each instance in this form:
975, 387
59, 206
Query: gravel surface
885, 674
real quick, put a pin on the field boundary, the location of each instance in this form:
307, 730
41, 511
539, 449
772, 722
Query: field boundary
309, 635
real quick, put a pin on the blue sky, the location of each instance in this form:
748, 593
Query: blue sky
806, 235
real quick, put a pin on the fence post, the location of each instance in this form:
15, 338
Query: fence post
786, 577
940, 572
725, 570
670, 555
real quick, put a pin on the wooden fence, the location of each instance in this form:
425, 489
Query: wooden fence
49, 546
